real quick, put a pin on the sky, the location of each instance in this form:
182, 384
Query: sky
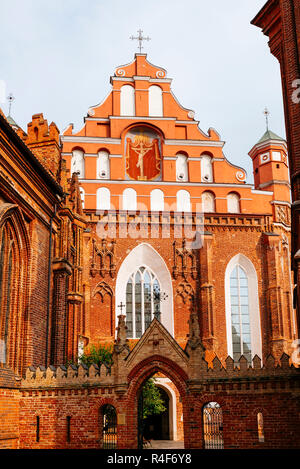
57, 58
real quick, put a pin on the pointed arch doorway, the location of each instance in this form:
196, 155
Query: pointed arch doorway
163, 428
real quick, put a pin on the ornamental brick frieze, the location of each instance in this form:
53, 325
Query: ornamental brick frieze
103, 259
184, 261
173, 224
186, 292
283, 214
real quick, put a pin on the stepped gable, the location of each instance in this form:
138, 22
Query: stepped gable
43, 141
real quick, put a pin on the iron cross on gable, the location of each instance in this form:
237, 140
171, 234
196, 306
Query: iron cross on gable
140, 38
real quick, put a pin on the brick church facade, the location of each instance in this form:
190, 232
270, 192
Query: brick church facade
136, 231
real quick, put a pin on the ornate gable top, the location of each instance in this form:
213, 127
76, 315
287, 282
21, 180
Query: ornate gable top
157, 340
140, 67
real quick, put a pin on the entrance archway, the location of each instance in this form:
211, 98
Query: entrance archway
157, 426
174, 373
160, 421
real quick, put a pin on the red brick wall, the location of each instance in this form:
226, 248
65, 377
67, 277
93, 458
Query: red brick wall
280, 413
9, 418
266, 257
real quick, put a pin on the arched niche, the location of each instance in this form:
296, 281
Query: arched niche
127, 103
155, 101
181, 167
157, 200
103, 198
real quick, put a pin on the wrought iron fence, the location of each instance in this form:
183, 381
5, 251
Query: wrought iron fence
109, 436
213, 426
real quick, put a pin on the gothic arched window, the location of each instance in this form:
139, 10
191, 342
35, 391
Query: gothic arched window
242, 309
6, 255
142, 301
233, 203
183, 201
157, 200
208, 202
155, 101
206, 169
129, 199
103, 199
14, 255
77, 163
127, 105
240, 319
181, 168
103, 170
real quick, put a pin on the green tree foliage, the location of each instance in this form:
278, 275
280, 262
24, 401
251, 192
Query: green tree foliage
153, 403
98, 354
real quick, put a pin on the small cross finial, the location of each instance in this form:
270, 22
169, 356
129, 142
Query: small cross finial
10, 99
140, 38
121, 306
267, 113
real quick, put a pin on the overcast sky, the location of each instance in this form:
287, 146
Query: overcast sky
57, 56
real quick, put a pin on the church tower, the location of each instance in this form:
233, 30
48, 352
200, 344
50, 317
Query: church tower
271, 173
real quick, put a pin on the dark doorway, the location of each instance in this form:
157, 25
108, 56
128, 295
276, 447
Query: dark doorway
156, 427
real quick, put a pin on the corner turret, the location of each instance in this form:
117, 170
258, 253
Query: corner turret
270, 166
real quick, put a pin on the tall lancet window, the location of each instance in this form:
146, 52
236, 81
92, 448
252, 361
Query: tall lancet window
103, 171
181, 168
240, 319
206, 169
155, 101
8, 262
127, 104
142, 301
77, 163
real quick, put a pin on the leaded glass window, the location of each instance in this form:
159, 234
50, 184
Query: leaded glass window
142, 301
240, 319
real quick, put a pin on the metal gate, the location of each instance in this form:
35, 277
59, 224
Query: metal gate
109, 435
213, 426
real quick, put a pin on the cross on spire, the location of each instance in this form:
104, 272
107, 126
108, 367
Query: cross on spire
267, 113
10, 99
140, 38
121, 306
